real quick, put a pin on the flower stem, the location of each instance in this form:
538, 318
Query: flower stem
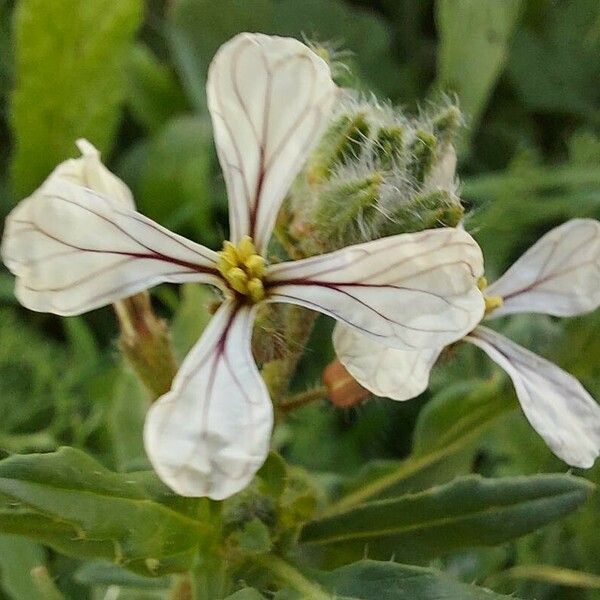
288, 574
302, 398
209, 576
278, 373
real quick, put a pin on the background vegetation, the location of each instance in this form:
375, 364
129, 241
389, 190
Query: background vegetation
130, 77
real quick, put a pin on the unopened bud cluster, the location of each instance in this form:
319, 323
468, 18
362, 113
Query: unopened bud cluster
375, 173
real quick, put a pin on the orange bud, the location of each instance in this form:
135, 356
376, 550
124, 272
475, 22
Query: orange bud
343, 390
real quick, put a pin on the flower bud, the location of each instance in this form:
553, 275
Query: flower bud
343, 390
340, 144
376, 172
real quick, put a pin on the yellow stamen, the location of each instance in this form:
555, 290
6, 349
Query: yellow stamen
238, 280
243, 269
255, 265
492, 303
246, 248
256, 290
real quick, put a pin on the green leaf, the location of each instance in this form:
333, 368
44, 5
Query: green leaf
246, 594
72, 503
69, 68
554, 62
254, 538
470, 511
447, 434
6, 51
126, 422
18, 556
153, 94
191, 317
105, 573
199, 27
273, 476
474, 38
371, 580
174, 187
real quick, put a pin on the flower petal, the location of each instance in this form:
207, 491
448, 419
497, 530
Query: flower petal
74, 250
269, 98
559, 275
210, 434
89, 172
407, 291
554, 402
386, 372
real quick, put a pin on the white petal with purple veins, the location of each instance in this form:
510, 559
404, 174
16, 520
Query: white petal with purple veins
269, 99
210, 434
555, 403
559, 275
74, 250
386, 372
409, 291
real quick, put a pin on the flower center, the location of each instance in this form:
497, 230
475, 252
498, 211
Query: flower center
491, 302
243, 268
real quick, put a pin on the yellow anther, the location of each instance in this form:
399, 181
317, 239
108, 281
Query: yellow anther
246, 248
255, 265
492, 303
225, 265
238, 280
243, 269
482, 283
256, 290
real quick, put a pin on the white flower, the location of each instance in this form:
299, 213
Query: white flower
74, 249
560, 276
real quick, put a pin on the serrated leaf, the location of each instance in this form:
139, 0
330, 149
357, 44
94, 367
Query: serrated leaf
470, 511
70, 502
371, 580
474, 38
69, 68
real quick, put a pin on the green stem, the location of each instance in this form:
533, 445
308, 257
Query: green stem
278, 373
547, 574
45, 584
209, 576
406, 469
288, 574
302, 398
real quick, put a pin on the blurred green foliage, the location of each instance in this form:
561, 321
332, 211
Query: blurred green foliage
130, 77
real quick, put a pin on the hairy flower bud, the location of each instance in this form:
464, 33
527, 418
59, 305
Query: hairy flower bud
376, 172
